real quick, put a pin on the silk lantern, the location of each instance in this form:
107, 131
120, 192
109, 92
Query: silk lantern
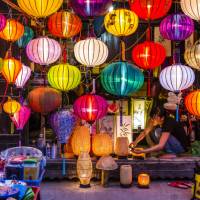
64, 77
121, 79
176, 27
2, 22
91, 52
43, 50
12, 31
11, 106
121, 22
150, 9
39, 8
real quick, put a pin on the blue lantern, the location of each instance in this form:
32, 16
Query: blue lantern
99, 27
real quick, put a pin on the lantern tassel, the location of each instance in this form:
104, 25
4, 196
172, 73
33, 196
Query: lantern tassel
63, 160
177, 113
121, 113
123, 50
20, 138
149, 84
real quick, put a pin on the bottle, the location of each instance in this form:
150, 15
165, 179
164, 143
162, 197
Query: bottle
41, 143
54, 151
48, 150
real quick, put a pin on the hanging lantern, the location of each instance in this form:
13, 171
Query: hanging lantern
176, 77
150, 9
12, 31
2, 22
44, 99
192, 103
39, 8
91, 52
11, 106
176, 27
64, 77
90, 107
121, 22
27, 36
121, 79
23, 76
43, 50
148, 55
10, 70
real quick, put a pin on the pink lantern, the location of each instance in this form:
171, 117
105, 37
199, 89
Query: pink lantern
2, 22
23, 76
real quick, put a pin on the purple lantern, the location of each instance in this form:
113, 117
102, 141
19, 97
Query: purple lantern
2, 22
91, 8
176, 27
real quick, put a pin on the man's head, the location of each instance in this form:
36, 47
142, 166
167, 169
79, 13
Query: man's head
158, 115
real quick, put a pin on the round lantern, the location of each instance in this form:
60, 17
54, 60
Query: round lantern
44, 99
176, 27
23, 76
64, 77
12, 31
90, 107
121, 79
148, 55
91, 8
43, 50
39, 8
64, 24
11, 106
27, 36
176, 77
2, 22
121, 22
91, 52
150, 9
192, 103
10, 70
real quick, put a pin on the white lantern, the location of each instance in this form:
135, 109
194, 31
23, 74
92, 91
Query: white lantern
91, 52
176, 77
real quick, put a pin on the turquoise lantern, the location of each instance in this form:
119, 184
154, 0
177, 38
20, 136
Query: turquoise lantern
122, 79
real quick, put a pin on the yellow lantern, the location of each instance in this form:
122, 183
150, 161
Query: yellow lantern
11, 106
143, 180
121, 22
122, 147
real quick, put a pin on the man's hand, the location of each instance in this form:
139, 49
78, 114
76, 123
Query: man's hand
138, 151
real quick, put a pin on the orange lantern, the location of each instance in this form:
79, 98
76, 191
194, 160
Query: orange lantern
11, 106
143, 180
13, 30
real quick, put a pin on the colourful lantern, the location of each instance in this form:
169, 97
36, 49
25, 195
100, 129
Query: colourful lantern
23, 76
11, 106
10, 70
27, 36
91, 8
12, 31
176, 77
43, 50
176, 27
150, 9
192, 103
39, 8
64, 77
90, 107
121, 22
2, 22
21, 117
121, 79
148, 55
91, 52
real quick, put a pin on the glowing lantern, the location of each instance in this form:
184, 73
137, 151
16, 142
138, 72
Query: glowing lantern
176, 77
91, 52
143, 180
39, 8
10, 70
121, 22
2, 22
192, 103
12, 31
43, 50
150, 9
121, 78
64, 24
11, 106
176, 27
64, 77
148, 55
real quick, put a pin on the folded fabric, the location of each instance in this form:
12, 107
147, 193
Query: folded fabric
22, 190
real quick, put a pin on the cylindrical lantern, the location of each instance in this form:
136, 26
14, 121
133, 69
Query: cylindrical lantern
91, 52
176, 77
143, 180
11, 106
12, 31
192, 103
121, 79
126, 176
64, 24
176, 27
148, 55
11, 69
121, 22
122, 146
64, 77
43, 50
2, 22
90, 107
39, 8
150, 9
